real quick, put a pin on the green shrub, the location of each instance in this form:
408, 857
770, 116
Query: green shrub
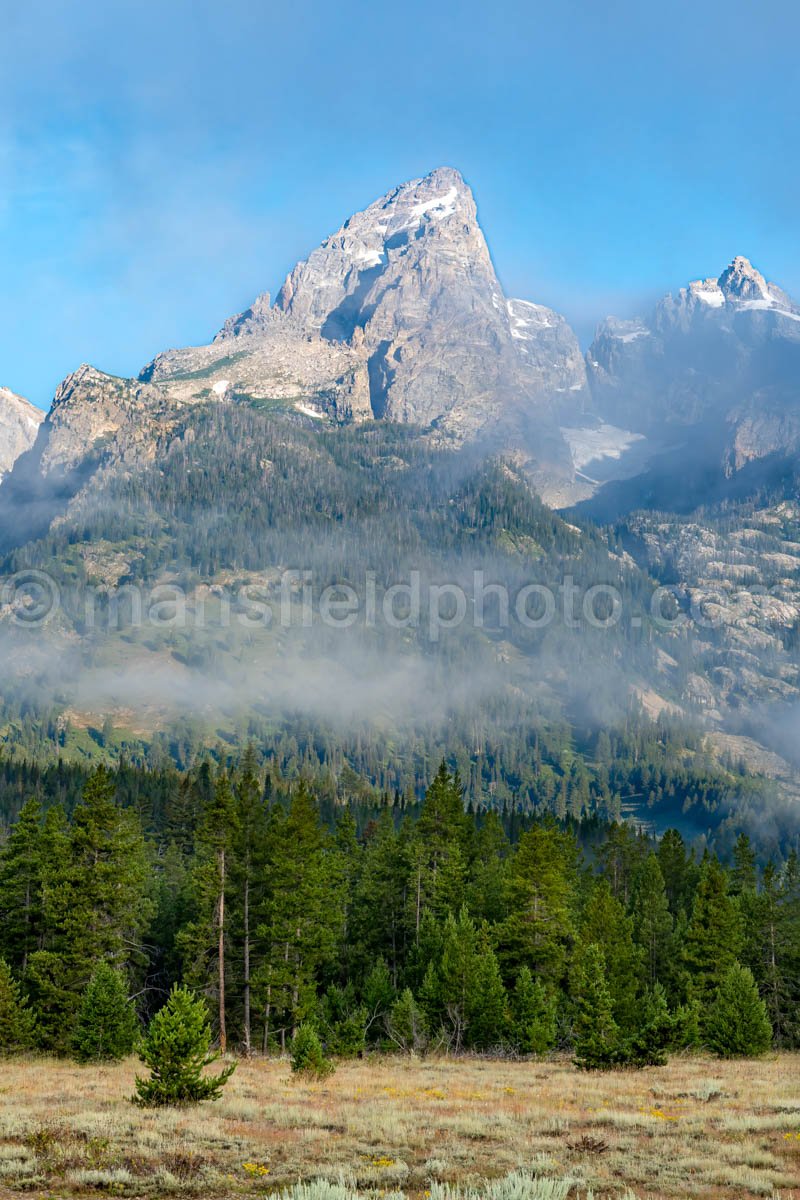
344, 1022
308, 1057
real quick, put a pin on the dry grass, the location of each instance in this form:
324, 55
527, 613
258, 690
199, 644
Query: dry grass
696, 1128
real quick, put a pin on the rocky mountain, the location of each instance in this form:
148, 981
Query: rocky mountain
722, 357
411, 282
399, 315
19, 425
388, 413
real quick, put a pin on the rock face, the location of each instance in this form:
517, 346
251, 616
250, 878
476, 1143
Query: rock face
409, 282
105, 418
723, 354
264, 356
19, 425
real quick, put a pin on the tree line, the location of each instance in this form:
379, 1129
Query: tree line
424, 927
508, 759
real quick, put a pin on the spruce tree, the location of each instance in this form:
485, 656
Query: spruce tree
657, 1032
735, 1024
21, 880
406, 1025
714, 935
605, 924
652, 919
17, 1021
540, 903
177, 1049
596, 1035
107, 1028
533, 1015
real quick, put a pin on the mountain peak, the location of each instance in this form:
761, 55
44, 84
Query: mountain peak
337, 275
741, 281
400, 315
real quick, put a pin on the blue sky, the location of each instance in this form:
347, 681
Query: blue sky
161, 164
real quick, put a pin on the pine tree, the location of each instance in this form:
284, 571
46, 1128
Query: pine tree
534, 1015
652, 919
407, 1026
621, 855
107, 1028
679, 872
777, 936
596, 1034
657, 1032
605, 924
173, 910
378, 911
17, 1021
21, 880
96, 906
487, 879
540, 899
439, 852
343, 1021
489, 1015
101, 900
463, 990
378, 995
177, 1049
49, 985
303, 915
744, 876
204, 941
218, 824
736, 1024
714, 935
248, 873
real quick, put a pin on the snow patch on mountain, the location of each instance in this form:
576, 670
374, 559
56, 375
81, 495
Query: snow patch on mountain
440, 206
603, 441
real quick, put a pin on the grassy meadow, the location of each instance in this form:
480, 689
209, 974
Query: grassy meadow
699, 1127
